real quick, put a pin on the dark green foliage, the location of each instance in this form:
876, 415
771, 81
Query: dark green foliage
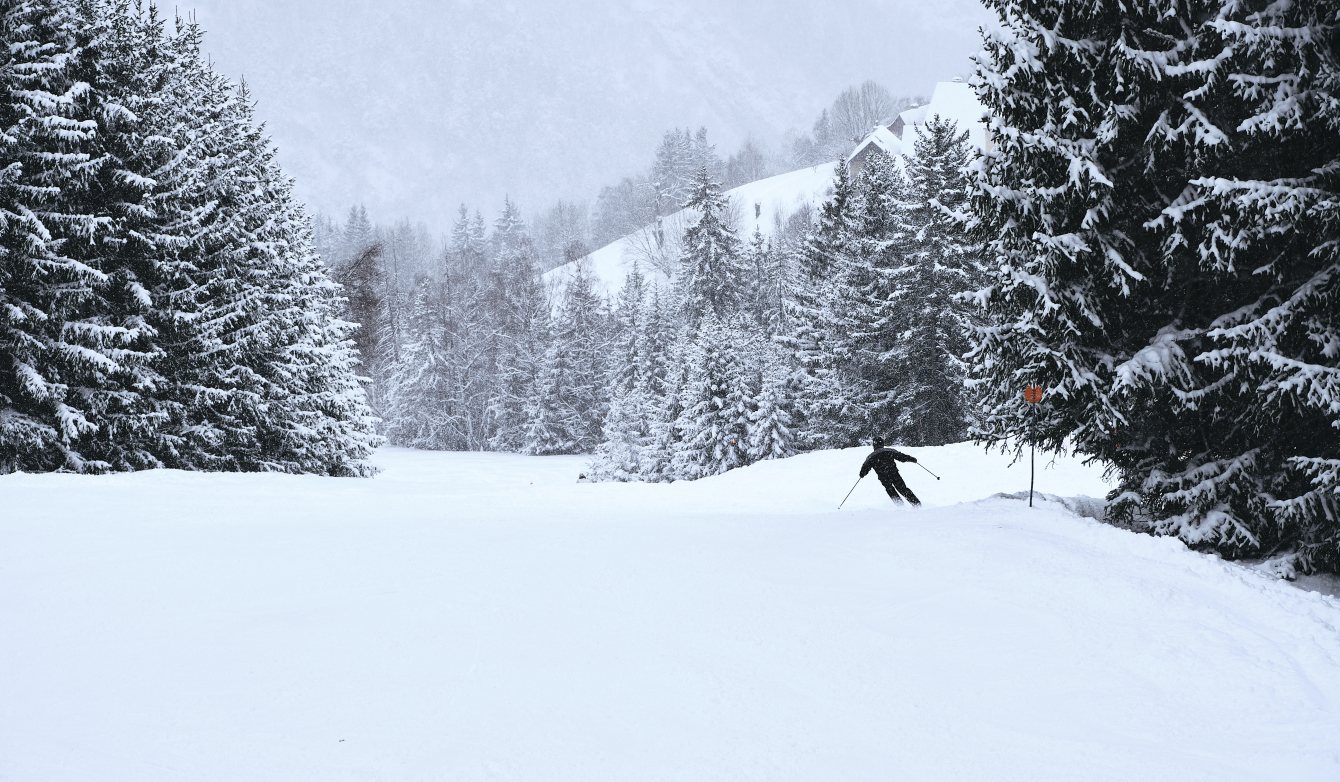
1163, 205
160, 301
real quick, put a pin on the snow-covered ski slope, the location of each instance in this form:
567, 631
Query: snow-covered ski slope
757, 205
487, 617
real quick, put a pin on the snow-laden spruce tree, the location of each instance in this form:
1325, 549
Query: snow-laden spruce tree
313, 415
58, 352
122, 70
520, 312
769, 279
657, 344
368, 298
422, 384
626, 363
626, 438
466, 249
872, 312
626, 430
553, 426
711, 277
715, 403
825, 411
662, 373
565, 414
330, 429
770, 419
1161, 196
943, 263
163, 305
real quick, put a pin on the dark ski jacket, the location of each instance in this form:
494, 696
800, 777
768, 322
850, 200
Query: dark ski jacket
885, 462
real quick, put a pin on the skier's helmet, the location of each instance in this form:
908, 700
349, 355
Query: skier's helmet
877, 442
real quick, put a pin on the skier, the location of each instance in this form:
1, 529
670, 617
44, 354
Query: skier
885, 463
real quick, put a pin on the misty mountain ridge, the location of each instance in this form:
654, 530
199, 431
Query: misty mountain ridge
416, 107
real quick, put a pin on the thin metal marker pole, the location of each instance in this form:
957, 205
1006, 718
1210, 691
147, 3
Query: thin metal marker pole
1032, 449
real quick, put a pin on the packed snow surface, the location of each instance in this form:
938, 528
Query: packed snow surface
488, 617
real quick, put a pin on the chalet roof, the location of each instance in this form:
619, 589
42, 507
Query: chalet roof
881, 138
915, 115
951, 100
955, 100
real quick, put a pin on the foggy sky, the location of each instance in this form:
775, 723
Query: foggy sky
414, 106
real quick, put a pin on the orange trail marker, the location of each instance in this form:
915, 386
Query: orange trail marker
1032, 395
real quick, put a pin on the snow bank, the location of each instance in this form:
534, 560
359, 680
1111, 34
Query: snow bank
472, 617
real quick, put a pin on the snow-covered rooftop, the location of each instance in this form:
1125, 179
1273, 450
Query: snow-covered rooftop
952, 100
914, 115
883, 139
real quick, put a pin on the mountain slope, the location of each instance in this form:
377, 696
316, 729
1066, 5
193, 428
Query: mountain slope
415, 106
757, 204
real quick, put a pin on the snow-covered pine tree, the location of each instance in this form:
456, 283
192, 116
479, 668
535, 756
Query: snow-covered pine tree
1162, 196
520, 313
421, 399
124, 70
357, 235
462, 248
565, 415
182, 298
626, 360
260, 359
789, 234
657, 344
332, 429
711, 278
761, 299
672, 171
872, 310
632, 374
661, 373
316, 417
369, 297
625, 438
825, 410
549, 422
60, 351
715, 404
207, 308
770, 421
941, 265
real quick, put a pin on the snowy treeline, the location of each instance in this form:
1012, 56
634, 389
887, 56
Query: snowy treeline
568, 230
160, 300
1163, 208
821, 338
638, 201
841, 325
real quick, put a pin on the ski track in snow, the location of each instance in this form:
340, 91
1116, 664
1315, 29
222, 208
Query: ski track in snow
484, 616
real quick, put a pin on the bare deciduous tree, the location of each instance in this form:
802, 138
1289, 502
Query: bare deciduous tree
860, 108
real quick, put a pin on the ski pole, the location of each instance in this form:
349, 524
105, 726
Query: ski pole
927, 469
853, 488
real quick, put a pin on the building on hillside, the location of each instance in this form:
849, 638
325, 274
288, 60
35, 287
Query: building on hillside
883, 140
896, 138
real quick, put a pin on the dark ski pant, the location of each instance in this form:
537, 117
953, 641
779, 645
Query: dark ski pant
895, 486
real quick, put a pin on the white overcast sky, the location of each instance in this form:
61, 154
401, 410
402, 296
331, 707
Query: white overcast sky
414, 106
